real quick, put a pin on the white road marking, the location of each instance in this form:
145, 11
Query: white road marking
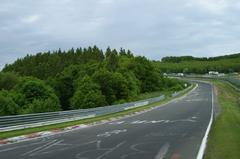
117, 123
97, 149
204, 140
185, 120
136, 150
161, 121
139, 122
163, 151
110, 150
110, 133
18, 147
98, 144
47, 147
196, 100
157, 121
39, 148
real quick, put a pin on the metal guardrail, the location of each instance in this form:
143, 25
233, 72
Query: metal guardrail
232, 80
16, 122
176, 94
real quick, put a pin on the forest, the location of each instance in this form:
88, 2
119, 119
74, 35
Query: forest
78, 79
199, 65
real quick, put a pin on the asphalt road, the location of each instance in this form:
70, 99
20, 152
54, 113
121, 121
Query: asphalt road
173, 131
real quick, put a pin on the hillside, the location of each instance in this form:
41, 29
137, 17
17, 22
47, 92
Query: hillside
176, 59
189, 64
78, 78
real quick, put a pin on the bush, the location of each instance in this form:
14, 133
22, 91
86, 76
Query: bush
7, 105
40, 106
173, 84
87, 95
37, 96
105, 80
8, 80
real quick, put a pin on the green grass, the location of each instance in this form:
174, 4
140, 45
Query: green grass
148, 95
4, 135
152, 95
237, 76
224, 137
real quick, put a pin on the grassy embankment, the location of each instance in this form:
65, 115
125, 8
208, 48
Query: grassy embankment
4, 135
224, 137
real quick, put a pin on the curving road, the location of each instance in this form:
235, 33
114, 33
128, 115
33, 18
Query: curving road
173, 131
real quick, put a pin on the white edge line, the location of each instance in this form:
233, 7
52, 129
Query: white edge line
204, 140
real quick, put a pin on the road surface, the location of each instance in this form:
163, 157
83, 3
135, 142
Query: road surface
173, 131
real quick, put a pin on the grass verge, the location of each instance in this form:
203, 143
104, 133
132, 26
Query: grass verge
4, 135
224, 137
148, 95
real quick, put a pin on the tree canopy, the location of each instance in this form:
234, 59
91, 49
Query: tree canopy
78, 78
189, 64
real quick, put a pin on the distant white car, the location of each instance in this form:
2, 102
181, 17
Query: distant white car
180, 74
213, 73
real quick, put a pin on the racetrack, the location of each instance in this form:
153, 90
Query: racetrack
173, 131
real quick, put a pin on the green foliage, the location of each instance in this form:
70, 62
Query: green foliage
120, 86
177, 59
8, 80
173, 84
49, 64
87, 95
224, 137
146, 73
105, 80
30, 95
36, 96
7, 105
79, 78
112, 60
41, 105
63, 85
186, 64
133, 85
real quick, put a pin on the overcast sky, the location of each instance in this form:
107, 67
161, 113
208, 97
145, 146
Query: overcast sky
153, 28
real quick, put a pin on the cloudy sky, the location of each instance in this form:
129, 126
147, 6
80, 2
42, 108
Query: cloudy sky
154, 28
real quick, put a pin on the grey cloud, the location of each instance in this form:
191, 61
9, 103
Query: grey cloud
148, 27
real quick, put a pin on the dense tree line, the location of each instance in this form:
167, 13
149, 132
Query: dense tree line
21, 95
177, 59
189, 64
78, 78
